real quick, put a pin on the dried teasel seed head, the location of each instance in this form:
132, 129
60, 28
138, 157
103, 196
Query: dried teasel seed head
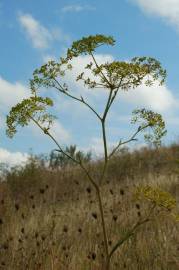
88, 189
94, 215
93, 256
42, 191
65, 229
16, 206
111, 191
137, 206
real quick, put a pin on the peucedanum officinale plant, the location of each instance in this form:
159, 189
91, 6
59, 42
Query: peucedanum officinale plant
112, 77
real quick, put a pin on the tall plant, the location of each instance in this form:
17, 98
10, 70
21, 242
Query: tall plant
113, 76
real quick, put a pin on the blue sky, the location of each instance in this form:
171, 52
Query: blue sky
32, 32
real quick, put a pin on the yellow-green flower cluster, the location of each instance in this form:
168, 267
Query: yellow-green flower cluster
87, 45
23, 112
154, 121
156, 196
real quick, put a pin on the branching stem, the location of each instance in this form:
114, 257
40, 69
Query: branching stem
131, 232
132, 138
62, 90
88, 176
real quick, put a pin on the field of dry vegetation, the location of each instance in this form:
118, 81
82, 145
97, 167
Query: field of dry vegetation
49, 219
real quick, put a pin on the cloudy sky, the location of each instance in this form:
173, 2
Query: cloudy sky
32, 32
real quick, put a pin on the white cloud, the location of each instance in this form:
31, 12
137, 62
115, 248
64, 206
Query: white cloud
11, 93
157, 97
79, 65
97, 149
95, 97
57, 130
12, 158
58, 34
80, 62
77, 8
167, 9
48, 57
37, 33
60, 133
96, 146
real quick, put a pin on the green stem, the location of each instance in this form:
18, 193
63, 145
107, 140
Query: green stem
127, 236
131, 232
89, 178
132, 138
102, 74
107, 105
104, 129
103, 223
104, 142
61, 89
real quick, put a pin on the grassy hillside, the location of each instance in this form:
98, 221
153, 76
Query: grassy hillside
49, 218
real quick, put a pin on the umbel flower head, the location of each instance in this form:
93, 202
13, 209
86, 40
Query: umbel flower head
115, 75
88, 45
154, 121
157, 196
28, 109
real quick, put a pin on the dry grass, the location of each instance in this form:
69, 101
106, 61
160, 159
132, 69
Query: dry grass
50, 219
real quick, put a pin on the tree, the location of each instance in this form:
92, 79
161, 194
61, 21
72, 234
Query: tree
112, 77
57, 160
